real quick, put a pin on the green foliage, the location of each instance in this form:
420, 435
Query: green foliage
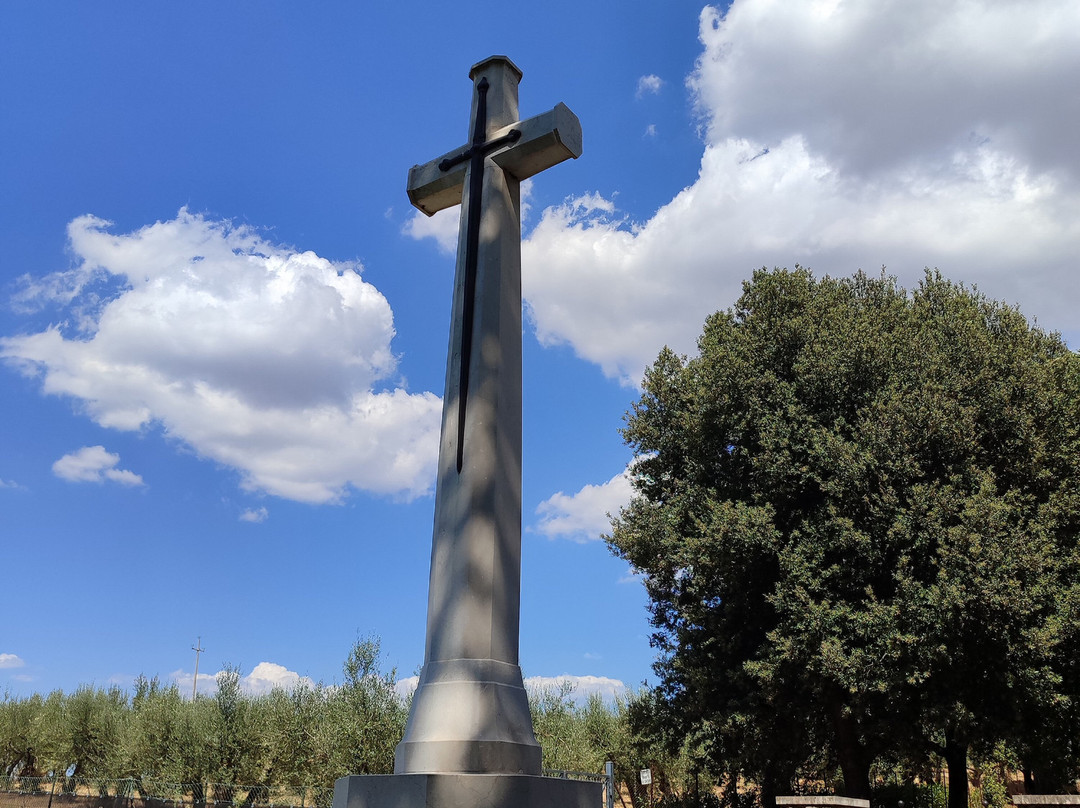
366, 717
154, 732
294, 739
294, 742
95, 720
237, 744
857, 514
296, 732
559, 729
911, 794
581, 737
20, 742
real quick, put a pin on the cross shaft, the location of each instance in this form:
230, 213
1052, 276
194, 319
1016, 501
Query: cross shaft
470, 712
475, 155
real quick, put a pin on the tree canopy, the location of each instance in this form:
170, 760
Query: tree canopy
287, 746
856, 512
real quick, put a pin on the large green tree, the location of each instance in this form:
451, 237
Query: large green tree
857, 513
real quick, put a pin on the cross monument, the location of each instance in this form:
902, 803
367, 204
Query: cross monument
469, 741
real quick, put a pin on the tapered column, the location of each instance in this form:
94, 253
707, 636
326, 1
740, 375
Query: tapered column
470, 712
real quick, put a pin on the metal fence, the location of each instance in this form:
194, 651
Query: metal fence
563, 774
85, 792
82, 792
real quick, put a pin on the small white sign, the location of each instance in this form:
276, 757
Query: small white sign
646, 777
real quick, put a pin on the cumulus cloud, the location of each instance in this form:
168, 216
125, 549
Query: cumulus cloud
93, 464
407, 686
255, 515
263, 678
581, 687
839, 136
874, 88
443, 227
184, 680
649, 85
267, 360
583, 516
11, 661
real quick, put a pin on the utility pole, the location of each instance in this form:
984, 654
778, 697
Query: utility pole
198, 649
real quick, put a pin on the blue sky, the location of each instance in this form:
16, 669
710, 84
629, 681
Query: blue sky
223, 329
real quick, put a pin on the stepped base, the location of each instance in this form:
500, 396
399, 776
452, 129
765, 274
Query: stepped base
469, 715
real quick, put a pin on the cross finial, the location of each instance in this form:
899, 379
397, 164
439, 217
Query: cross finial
480, 66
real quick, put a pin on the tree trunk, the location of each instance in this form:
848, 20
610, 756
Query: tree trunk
852, 753
956, 760
731, 793
772, 784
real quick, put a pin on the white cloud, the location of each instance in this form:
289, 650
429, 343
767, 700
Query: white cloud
649, 85
263, 678
582, 687
650, 130
583, 516
93, 464
255, 515
442, 226
407, 686
839, 136
873, 87
11, 661
10, 484
184, 679
262, 358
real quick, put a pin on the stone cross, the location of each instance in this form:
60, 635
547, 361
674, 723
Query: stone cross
470, 713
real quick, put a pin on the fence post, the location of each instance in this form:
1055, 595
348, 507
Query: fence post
609, 783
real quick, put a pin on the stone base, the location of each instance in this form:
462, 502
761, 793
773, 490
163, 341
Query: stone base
823, 801
464, 791
469, 715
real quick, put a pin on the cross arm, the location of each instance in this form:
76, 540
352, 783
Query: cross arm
431, 189
546, 140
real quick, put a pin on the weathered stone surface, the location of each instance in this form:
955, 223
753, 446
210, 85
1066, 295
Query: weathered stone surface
464, 791
475, 719
823, 801
470, 713
546, 139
